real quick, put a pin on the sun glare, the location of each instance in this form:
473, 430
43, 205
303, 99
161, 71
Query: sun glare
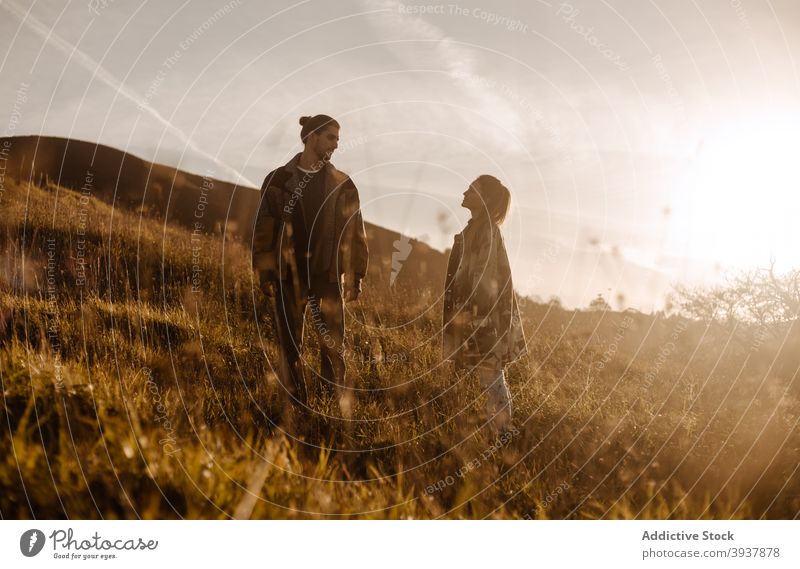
742, 193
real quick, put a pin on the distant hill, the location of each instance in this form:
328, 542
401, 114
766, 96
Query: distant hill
175, 196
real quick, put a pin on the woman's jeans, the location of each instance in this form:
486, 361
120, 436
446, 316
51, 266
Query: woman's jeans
493, 381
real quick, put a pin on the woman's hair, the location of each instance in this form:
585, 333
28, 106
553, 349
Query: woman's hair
315, 124
496, 197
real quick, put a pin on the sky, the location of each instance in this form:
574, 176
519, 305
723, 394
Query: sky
646, 143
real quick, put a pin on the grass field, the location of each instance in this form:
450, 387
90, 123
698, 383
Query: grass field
137, 376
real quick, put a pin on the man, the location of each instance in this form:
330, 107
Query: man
310, 248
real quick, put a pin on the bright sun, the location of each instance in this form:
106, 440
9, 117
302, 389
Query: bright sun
744, 194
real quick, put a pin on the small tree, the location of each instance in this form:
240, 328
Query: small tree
599, 304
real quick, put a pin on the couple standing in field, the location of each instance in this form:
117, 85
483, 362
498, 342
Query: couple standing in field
310, 249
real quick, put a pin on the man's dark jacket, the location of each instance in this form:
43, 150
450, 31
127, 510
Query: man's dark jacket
341, 225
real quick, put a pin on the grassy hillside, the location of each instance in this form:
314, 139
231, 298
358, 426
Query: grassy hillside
136, 368
200, 203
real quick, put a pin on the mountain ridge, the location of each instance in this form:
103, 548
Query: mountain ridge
197, 202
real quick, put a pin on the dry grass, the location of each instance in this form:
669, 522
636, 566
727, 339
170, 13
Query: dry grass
132, 396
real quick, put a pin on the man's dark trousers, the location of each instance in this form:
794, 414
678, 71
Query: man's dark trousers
292, 296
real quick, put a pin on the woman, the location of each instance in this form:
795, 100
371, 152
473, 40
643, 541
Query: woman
482, 329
